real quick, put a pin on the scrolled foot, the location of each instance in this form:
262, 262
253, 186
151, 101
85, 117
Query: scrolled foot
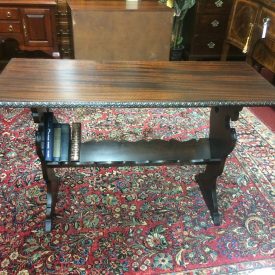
207, 184
48, 225
216, 217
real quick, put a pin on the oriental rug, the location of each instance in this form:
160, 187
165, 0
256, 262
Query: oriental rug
136, 220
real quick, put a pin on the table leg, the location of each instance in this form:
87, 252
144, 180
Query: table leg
52, 190
49, 176
220, 130
207, 184
52, 182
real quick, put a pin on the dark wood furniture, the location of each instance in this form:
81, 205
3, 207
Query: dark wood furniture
64, 31
224, 86
246, 31
121, 30
31, 23
204, 29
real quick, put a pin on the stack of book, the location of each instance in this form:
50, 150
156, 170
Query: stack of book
59, 141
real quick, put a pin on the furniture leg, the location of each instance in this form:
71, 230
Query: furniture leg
225, 50
52, 182
207, 184
220, 130
52, 191
48, 173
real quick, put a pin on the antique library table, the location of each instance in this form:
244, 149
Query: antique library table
226, 87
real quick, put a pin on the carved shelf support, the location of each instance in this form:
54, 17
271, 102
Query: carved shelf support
212, 151
48, 172
220, 131
207, 184
52, 191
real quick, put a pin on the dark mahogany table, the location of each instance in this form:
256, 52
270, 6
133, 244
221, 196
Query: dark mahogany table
226, 87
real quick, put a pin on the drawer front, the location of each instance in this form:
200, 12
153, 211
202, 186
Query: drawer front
211, 23
245, 14
207, 45
10, 27
9, 13
214, 6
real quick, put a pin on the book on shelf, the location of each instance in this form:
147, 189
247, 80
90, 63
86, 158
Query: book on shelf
59, 142
75, 141
65, 142
56, 141
40, 138
49, 136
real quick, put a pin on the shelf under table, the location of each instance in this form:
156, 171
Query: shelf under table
154, 152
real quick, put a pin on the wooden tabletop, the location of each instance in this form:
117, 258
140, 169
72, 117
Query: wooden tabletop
77, 83
84, 5
27, 2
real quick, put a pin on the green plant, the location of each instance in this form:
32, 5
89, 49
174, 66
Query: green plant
180, 9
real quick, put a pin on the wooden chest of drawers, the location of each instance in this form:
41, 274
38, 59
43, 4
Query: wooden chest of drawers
118, 30
31, 23
245, 31
204, 29
64, 32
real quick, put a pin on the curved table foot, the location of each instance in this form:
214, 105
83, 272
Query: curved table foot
216, 217
207, 184
48, 225
52, 192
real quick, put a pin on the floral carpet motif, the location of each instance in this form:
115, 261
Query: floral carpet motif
136, 220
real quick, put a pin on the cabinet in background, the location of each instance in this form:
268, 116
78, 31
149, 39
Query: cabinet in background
246, 28
204, 29
30, 23
121, 30
64, 32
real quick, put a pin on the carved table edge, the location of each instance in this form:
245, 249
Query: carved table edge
136, 104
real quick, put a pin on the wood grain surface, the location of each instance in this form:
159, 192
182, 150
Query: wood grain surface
134, 30
84, 5
47, 82
28, 2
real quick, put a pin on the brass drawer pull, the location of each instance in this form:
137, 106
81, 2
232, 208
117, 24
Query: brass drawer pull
25, 29
211, 45
219, 3
10, 28
245, 48
9, 14
215, 23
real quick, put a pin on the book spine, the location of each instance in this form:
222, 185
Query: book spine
76, 141
40, 138
65, 142
56, 142
48, 145
42, 142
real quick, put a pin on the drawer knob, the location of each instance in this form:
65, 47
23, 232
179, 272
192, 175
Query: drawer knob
8, 14
10, 28
219, 3
211, 45
215, 23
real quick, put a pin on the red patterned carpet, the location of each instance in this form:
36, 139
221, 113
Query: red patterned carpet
266, 115
139, 220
